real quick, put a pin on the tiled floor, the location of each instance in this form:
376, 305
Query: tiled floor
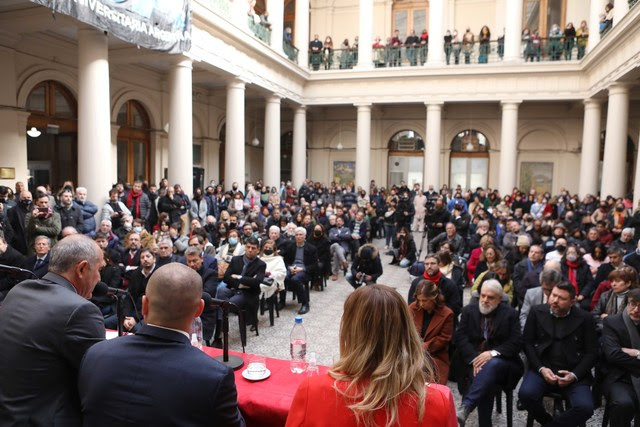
322, 325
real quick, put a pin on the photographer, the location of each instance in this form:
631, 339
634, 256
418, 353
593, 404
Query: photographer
437, 217
366, 266
461, 219
42, 221
405, 211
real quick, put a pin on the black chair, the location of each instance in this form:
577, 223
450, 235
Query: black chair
509, 401
270, 304
606, 415
559, 404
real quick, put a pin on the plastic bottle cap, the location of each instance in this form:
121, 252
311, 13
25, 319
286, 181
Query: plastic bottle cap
298, 319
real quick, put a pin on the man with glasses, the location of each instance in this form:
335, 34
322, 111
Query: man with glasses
621, 347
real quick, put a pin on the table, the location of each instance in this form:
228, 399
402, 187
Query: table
265, 403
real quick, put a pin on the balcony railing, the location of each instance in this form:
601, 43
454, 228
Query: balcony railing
533, 50
290, 51
259, 30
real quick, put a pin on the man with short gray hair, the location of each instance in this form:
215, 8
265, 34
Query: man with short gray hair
89, 210
54, 316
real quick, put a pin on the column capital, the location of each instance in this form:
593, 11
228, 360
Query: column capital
434, 104
237, 83
181, 61
592, 102
273, 98
617, 88
300, 108
363, 105
510, 105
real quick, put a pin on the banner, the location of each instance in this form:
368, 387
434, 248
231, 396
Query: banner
163, 25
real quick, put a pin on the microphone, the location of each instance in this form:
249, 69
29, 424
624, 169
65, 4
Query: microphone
234, 362
16, 270
102, 289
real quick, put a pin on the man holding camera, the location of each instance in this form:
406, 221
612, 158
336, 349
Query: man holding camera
366, 266
42, 221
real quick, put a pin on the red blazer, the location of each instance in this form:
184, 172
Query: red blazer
437, 338
317, 404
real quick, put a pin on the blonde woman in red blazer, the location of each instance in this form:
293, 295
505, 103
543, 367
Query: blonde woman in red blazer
383, 376
436, 335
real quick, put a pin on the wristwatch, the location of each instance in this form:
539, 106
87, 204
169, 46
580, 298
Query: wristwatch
494, 353
638, 354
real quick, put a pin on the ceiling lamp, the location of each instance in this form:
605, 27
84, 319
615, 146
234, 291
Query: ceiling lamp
255, 141
34, 132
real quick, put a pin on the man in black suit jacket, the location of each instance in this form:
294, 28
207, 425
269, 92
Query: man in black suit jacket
561, 346
16, 216
488, 340
621, 347
159, 377
11, 257
301, 259
242, 280
195, 261
39, 263
138, 280
46, 326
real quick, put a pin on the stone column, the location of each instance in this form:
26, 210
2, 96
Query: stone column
365, 37
614, 165
513, 32
180, 168
363, 146
508, 147
432, 145
619, 11
636, 183
234, 149
590, 157
94, 120
276, 18
271, 157
302, 32
299, 155
596, 8
114, 152
436, 33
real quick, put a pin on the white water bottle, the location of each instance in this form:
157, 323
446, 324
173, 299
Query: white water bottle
196, 333
298, 340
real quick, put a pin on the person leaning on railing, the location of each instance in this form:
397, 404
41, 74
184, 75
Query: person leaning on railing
485, 45
582, 36
569, 41
468, 40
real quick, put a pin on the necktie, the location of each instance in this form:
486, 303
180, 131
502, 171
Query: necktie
39, 263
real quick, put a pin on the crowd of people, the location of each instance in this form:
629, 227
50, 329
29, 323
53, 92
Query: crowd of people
551, 276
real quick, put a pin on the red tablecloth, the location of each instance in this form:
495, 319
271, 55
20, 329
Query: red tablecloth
266, 403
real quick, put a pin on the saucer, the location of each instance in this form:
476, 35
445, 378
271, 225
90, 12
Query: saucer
250, 377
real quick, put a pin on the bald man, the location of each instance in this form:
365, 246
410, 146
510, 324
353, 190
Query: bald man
156, 377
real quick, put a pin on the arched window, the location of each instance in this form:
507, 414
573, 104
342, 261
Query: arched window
52, 157
542, 14
134, 139
469, 166
406, 158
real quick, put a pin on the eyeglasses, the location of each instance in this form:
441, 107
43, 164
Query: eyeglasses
633, 305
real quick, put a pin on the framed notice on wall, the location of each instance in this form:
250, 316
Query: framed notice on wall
536, 176
344, 172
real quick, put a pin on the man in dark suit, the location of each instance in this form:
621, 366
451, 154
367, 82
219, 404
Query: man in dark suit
561, 346
195, 261
159, 377
548, 279
621, 347
489, 341
243, 278
46, 326
301, 260
138, 280
39, 263
16, 216
11, 257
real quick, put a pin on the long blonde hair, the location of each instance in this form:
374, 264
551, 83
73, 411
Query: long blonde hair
381, 356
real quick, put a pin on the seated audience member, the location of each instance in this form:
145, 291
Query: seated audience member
447, 287
482, 229
42, 221
549, 278
577, 272
112, 239
198, 242
633, 259
404, 248
360, 231
102, 239
600, 282
340, 238
520, 251
625, 242
489, 256
195, 261
557, 253
232, 247
39, 262
89, 210
70, 213
533, 263
382, 377
451, 236
621, 347
243, 278
502, 269
114, 210
110, 275
614, 300
67, 231
366, 266
206, 388
449, 268
561, 346
180, 241
434, 323
275, 271
165, 253
11, 257
301, 259
138, 280
477, 253
323, 247
489, 341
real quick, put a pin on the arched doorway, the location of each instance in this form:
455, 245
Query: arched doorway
52, 156
469, 165
406, 158
134, 140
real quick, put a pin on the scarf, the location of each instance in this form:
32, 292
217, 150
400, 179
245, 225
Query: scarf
612, 303
635, 343
435, 279
572, 276
134, 204
446, 270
